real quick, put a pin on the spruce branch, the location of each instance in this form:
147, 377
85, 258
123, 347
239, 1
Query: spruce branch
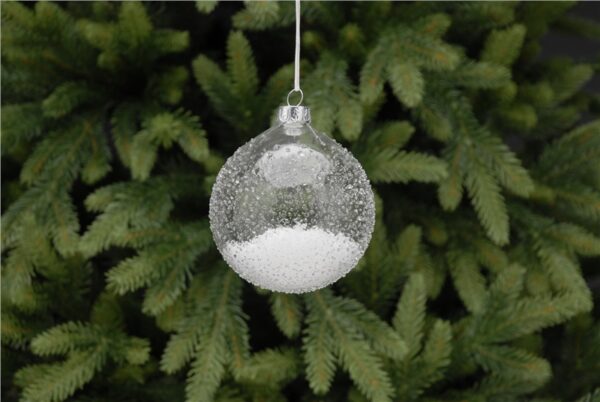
57, 382
399, 56
417, 373
333, 99
66, 97
20, 124
241, 66
336, 339
511, 363
319, 354
163, 130
270, 368
234, 93
479, 161
482, 75
206, 6
88, 349
503, 46
407, 83
423, 364
260, 16
468, 281
389, 166
409, 318
164, 266
488, 203
220, 342
287, 311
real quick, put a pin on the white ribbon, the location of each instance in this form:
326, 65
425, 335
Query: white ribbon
297, 59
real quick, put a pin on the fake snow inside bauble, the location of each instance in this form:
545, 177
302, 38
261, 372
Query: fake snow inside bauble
292, 210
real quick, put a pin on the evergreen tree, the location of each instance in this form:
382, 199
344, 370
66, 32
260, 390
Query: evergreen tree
484, 157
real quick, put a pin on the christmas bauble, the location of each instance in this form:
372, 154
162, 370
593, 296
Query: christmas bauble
292, 210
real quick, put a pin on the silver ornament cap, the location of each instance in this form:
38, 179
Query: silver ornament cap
294, 114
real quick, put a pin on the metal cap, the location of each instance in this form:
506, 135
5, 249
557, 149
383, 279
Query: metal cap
294, 114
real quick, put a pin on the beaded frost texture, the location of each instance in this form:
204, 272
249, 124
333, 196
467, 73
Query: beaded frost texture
292, 210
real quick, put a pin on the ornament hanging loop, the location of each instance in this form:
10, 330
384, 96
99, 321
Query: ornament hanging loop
290, 94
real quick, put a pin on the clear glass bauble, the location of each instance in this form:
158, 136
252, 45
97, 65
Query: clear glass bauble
292, 210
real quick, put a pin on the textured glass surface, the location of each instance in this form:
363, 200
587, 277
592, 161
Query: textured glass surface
292, 210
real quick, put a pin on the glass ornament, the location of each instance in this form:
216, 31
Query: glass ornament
292, 210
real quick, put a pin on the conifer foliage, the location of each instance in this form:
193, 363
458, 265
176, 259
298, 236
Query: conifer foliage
479, 282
